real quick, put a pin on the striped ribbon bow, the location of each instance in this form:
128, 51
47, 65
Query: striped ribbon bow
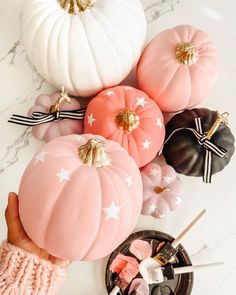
39, 118
207, 144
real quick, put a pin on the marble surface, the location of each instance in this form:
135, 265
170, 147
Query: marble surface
215, 238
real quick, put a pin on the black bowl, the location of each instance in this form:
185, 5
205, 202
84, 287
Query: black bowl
181, 285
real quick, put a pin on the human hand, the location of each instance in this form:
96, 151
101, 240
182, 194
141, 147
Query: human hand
18, 237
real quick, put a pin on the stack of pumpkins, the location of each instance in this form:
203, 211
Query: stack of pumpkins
82, 194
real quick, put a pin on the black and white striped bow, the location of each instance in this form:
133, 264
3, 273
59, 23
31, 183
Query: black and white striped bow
207, 144
39, 118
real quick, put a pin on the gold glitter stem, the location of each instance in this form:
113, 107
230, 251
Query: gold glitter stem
63, 97
186, 53
221, 119
160, 189
94, 153
76, 6
127, 120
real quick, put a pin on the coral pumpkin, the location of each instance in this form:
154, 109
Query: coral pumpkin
179, 68
63, 213
128, 116
75, 42
162, 190
51, 130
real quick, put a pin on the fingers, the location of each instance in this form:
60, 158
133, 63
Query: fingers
15, 229
12, 213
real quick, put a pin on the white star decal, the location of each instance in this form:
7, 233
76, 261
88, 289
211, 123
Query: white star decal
63, 175
146, 145
141, 101
109, 93
159, 123
40, 157
128, 88
154, 172
112, 211
129, 181
167, 179
152, 208
91, 119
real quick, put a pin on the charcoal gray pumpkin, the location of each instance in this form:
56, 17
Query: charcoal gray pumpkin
182, 150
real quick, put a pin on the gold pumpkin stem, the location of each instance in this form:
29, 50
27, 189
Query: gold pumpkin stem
76, 6
127, 120
160, 190
63, 97
221, 119
186, 53
94, 153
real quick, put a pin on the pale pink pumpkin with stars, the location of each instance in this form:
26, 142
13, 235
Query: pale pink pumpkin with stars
80, 197
128, 116
51, 130
162, 190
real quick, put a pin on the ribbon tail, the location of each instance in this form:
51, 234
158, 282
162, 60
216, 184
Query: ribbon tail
208, 167
30, 122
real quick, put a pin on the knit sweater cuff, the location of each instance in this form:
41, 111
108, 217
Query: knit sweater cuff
23, 273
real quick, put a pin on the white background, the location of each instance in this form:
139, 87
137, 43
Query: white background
215, 238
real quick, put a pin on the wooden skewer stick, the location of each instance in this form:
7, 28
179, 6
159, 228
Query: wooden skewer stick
187, 269
179, 239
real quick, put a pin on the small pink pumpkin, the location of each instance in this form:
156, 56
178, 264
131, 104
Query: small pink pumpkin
80, 197
162, 190
129, 117
178, 68
51, 130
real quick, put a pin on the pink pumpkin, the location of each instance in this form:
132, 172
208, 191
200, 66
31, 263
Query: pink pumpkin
162, 190
51, 130
128, 116
179, 68
80, 197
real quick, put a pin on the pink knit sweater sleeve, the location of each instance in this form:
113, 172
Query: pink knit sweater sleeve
22, 273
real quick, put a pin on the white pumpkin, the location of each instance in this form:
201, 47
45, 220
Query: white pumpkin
85, 46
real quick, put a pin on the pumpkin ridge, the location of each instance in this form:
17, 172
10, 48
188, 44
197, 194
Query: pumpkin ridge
171, 81
214, 57
203, 44
116, 23
119, 60
176, 33
59, 28
47, 44
115, 168
136, 152
52, 213
194, 34
39, 27
100, 220
199, 66
147, 69
92, 53
40, 10
33, 172
69, 61
151, 105
104, 102
113, 184
185, 160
